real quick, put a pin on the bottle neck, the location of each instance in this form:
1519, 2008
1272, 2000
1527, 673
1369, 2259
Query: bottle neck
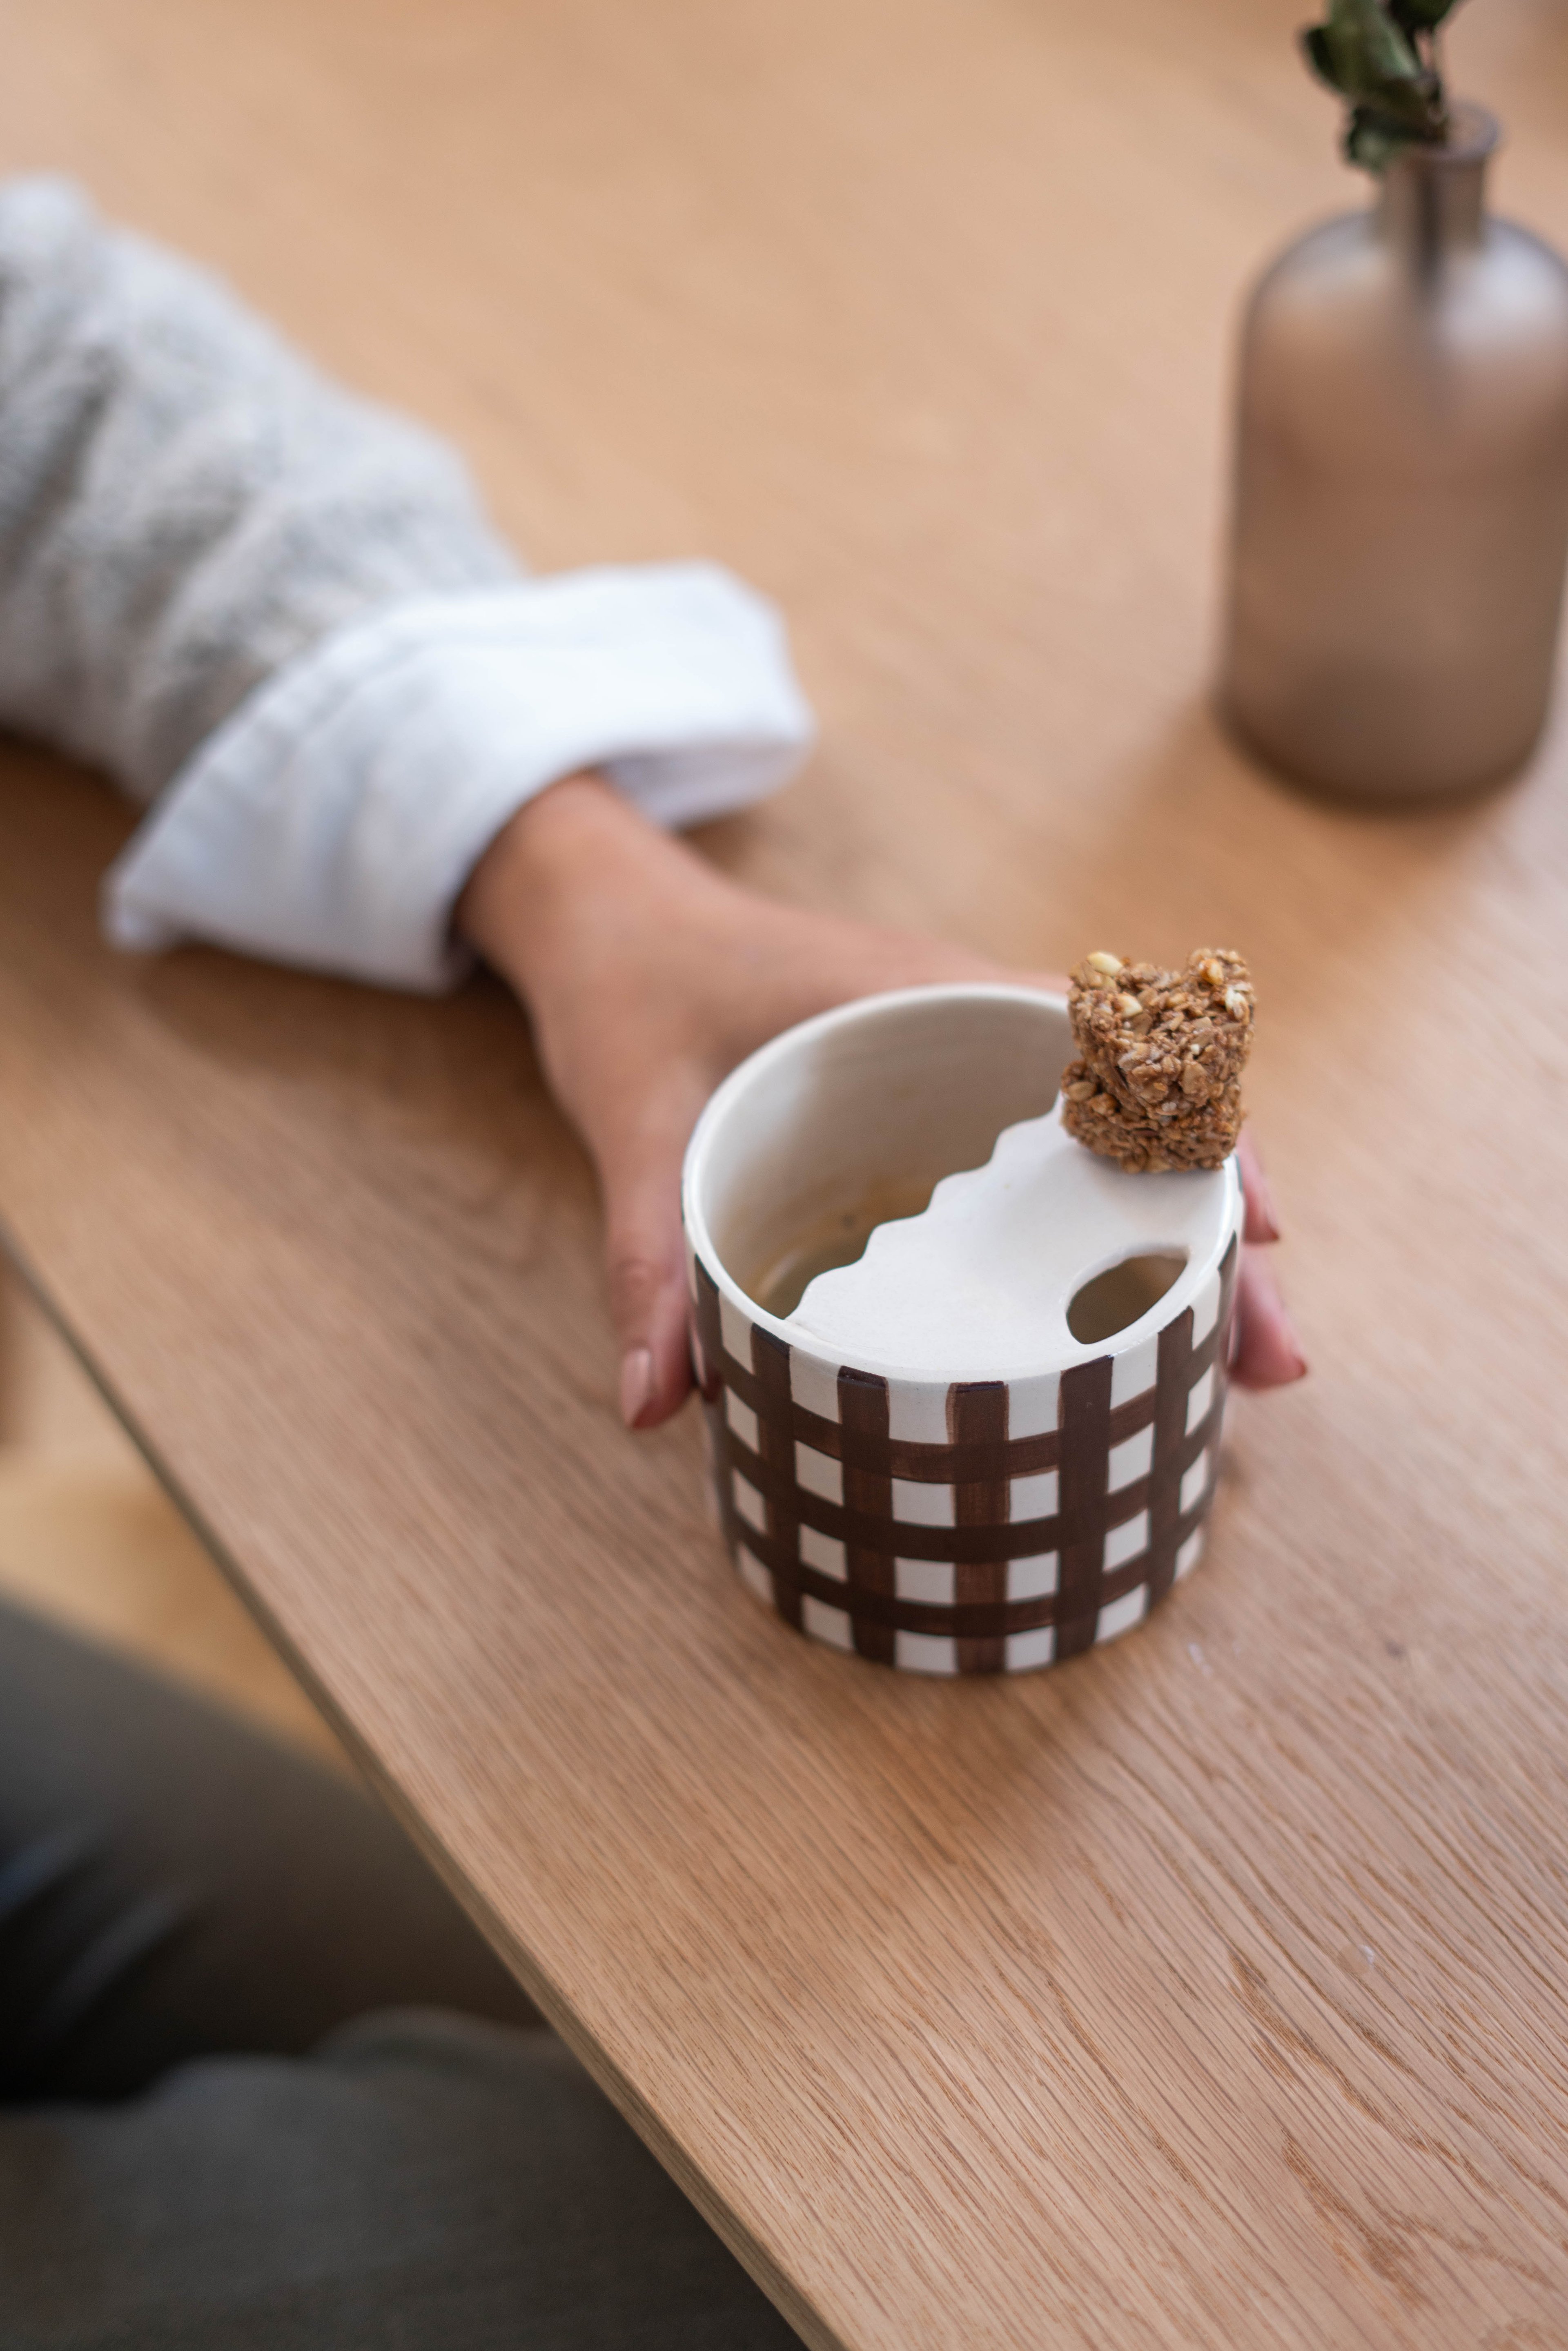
1432, 201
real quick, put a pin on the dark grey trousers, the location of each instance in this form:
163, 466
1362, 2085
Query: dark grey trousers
261, 2085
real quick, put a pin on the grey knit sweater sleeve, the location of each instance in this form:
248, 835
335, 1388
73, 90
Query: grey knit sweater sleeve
186, 506
278, 614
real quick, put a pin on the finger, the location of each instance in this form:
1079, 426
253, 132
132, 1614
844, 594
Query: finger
656, 1367
645, 1264
1262, 1222
1267, 1352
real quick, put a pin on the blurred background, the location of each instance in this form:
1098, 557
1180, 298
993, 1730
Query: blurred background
88, 1538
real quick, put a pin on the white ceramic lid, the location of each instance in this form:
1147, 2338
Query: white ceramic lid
982, 1280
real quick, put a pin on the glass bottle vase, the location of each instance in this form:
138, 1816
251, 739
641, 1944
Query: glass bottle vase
1400, 526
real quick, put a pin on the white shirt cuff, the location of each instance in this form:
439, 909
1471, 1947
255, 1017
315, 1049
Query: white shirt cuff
334, 819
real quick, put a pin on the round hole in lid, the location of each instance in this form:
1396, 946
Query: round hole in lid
1123, 1294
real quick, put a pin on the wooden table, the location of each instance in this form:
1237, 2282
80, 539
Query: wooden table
1208, 1992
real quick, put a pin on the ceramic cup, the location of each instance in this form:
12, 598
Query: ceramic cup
973, 1515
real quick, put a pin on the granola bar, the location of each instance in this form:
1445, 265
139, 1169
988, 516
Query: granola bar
1158, 1081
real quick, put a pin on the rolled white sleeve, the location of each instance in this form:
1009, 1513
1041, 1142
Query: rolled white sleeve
333, 819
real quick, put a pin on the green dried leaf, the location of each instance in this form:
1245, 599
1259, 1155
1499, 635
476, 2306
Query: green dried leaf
1374, 141
1320, 57
1414, 17
1369, 57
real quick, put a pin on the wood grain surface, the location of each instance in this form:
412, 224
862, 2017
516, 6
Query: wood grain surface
1208, 1991
88, 1538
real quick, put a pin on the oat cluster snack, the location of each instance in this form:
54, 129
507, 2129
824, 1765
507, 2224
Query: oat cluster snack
1158, 1084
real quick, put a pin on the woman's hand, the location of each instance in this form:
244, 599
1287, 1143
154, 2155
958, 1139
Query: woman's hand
1265, 1352
648, 977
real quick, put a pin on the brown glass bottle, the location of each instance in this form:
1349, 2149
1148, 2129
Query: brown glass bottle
1401, 503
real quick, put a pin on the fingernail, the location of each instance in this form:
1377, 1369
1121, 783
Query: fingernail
636, 1383
1263, 1202
1293, 1340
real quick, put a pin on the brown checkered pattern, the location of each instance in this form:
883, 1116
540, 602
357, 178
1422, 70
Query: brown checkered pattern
809, 1514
